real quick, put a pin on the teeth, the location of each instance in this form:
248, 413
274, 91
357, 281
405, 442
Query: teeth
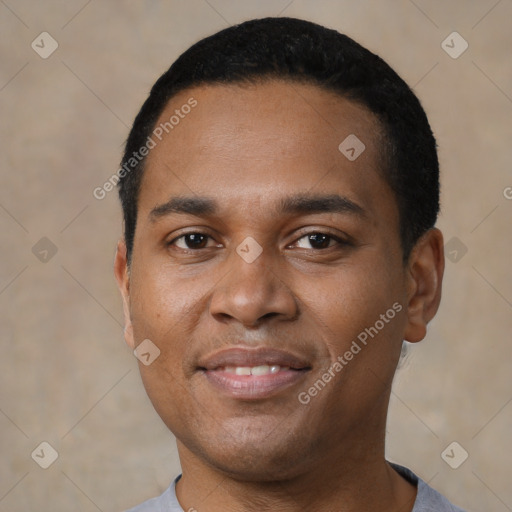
263, 369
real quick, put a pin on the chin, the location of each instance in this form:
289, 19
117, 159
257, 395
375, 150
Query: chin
258, 466
255, 451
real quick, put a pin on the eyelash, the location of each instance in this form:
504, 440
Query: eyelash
339, 241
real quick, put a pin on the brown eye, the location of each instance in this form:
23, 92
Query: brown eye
191, 241
319, 240
316, 241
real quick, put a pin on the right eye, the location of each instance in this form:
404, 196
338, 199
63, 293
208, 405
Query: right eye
191, 241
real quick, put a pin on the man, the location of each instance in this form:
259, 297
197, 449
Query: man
280, 188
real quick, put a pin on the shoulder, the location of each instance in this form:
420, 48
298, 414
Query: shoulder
427, 498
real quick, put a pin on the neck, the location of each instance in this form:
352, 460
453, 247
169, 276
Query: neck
353, 482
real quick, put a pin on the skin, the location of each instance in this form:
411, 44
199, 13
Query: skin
247, 147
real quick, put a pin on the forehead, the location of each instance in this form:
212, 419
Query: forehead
260, 140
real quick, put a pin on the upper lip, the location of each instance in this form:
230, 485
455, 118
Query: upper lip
253, 357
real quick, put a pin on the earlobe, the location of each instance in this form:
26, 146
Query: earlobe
425, 276
123, 282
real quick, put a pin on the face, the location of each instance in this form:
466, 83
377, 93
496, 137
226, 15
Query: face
267, 269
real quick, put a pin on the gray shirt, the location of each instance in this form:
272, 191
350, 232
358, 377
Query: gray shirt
427, 499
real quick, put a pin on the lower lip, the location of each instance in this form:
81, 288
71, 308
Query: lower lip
253, 387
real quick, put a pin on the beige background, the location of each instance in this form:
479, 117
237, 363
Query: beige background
67, 376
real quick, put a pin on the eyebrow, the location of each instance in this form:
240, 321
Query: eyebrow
297, 204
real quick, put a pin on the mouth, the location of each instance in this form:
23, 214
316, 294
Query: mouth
253, 374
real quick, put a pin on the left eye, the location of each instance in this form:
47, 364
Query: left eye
317, 241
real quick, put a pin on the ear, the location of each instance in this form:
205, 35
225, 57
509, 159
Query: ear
121, 272
425, 275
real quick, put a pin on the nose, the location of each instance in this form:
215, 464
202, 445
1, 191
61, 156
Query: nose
252, 293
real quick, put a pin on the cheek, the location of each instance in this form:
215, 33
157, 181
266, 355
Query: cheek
352, 301
167, 308
163, 311
161, 301
158, 310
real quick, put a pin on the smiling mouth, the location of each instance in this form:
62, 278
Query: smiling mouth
263, 369
253, 383
253, 374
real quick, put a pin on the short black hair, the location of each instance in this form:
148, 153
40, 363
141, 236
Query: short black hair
299, 50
